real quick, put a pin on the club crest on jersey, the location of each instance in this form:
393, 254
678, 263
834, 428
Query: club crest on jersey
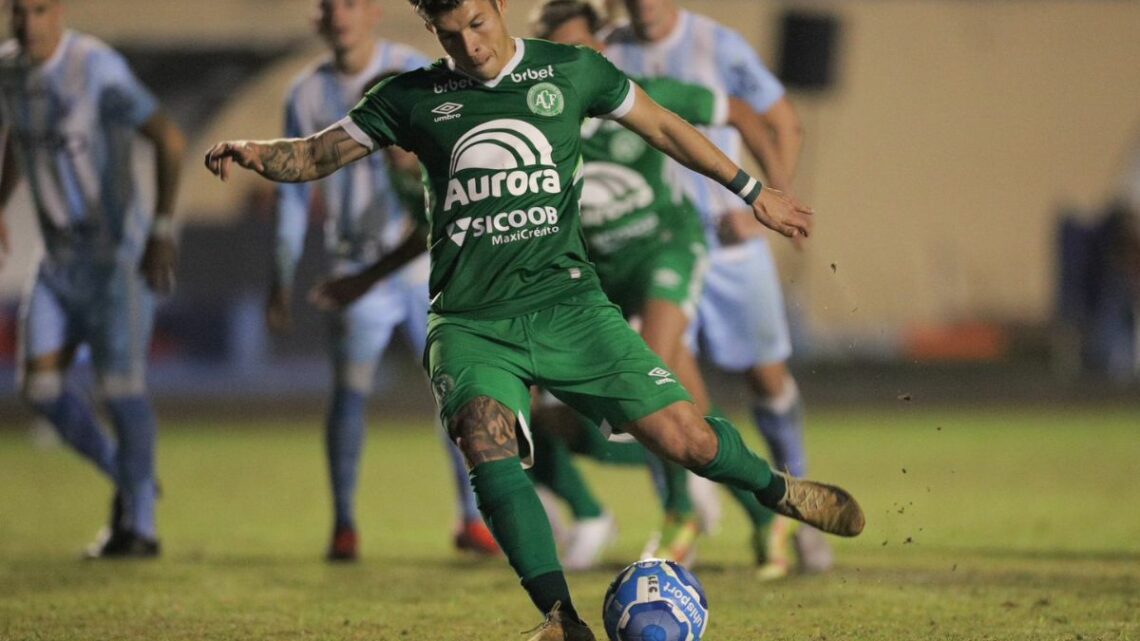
518, 154
545, 99
447, 111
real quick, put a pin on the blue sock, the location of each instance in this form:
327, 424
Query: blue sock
135, 426
75, 422
465, 496
781, 423
344, 442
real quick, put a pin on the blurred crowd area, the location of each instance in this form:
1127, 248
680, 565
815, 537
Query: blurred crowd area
975, 166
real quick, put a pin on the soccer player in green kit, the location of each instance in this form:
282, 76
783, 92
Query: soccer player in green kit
515, 301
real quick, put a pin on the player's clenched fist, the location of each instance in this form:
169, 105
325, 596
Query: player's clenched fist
783, 213
243, 152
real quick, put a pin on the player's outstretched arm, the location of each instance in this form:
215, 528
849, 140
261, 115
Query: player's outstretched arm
668, 132
288, 159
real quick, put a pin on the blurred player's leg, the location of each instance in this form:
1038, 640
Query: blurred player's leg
358, 338
45, 357
471, 534
120, 325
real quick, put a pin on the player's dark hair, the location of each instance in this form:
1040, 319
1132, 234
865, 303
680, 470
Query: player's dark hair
550, 15
430, 8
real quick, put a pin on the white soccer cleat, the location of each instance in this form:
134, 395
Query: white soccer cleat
588, 539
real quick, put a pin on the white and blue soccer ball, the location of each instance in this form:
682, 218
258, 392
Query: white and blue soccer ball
655, 600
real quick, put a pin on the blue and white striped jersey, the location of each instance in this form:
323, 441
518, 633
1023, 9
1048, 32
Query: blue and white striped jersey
73, 121
364, 216
704, 52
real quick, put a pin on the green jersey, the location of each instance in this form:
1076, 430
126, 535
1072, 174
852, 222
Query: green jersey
628, 197
503, 171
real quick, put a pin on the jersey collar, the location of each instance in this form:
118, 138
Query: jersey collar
511, 65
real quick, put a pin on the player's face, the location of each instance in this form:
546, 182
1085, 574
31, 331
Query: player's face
38, 26
575, 32
475, 36
652, 20
347, 24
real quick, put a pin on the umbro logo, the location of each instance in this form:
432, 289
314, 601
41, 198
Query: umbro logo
662, 375
447, 111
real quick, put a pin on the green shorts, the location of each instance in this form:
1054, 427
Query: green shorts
670, 268
580, 349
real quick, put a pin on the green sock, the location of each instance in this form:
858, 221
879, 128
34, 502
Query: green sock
514, 514
554, 468
736, 465
758, 515
675, 499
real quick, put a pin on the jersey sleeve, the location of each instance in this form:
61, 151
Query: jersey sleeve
744, 73
697, 104
378, 118
292, 208
122, 98
606, 91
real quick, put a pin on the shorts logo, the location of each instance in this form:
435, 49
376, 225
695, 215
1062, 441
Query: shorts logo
667, 278
447, 111
662, 375
442, 385
545, 99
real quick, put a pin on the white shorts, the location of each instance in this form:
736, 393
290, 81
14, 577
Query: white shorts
741, 321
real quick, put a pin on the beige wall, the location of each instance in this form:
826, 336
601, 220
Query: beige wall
936, 165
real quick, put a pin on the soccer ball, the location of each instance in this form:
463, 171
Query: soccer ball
655, 600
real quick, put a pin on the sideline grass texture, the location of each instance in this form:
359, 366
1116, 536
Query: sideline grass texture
981, 525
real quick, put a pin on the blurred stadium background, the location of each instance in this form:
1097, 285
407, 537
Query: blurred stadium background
946, 141
962, 156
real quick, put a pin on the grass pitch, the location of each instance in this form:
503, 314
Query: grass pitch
981, 525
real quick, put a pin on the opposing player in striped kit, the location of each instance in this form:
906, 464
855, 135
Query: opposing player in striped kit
741, 323
515, 301
69, 111
366, 220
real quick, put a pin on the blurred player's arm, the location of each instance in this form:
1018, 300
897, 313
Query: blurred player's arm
338, 293
288, 159
161, 254
774, 139
669, 133
9, 179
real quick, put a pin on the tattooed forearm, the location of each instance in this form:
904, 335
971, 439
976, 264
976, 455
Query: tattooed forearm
485, 431
285, 160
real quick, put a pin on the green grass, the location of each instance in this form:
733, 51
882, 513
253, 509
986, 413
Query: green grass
1004, 525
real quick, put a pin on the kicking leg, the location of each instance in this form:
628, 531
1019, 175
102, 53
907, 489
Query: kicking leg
712, 448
